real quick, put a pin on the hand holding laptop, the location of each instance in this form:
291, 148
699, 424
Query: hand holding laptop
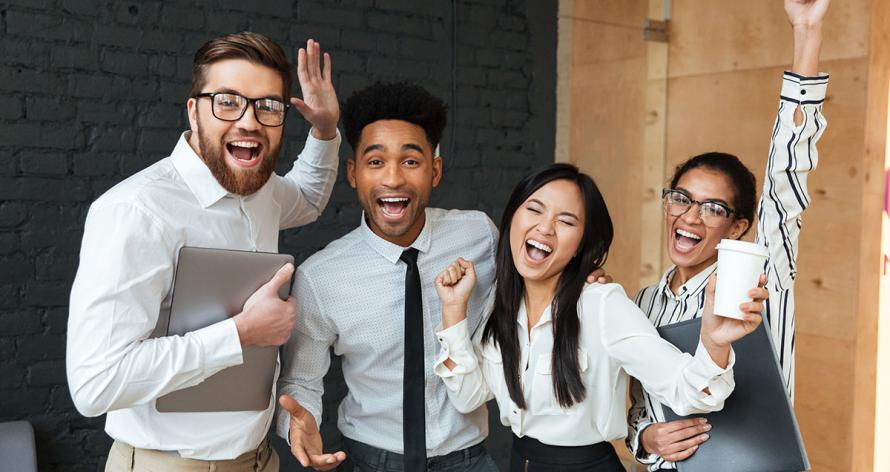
266, 319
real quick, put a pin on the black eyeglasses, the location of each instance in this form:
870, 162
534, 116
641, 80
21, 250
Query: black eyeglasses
231, 107
713, 214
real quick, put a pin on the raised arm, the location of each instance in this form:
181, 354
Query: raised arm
793, 154
305, 190
458, 364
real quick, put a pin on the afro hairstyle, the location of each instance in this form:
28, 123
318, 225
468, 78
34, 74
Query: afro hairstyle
403, 101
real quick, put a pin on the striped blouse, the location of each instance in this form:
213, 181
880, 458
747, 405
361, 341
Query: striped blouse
792, 156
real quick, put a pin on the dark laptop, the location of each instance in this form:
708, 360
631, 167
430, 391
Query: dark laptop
756, 431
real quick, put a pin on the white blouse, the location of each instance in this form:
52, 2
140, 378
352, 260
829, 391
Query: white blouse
616, 339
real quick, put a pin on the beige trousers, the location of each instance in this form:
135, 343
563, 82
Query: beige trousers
126, 458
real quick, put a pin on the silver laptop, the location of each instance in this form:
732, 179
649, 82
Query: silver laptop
210, 286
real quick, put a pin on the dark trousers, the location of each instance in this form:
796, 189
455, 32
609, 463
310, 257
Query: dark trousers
530, 455
368, 458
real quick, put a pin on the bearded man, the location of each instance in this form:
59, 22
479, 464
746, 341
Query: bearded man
217, 189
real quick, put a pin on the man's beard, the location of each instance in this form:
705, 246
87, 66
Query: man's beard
244, 182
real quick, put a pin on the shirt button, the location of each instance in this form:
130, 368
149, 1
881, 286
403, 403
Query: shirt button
803, 92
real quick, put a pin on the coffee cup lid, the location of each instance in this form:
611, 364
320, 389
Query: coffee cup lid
743, 246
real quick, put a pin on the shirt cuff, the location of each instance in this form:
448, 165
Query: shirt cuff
636, 446
220, 345
319, 152
706, 374
456, 345
804, 90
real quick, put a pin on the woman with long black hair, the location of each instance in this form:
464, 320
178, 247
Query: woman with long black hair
555, 352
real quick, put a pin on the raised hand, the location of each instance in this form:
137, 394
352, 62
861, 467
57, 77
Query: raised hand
719, 332
675, 440
305, 439
454, 286
806, 12
319, 105
266, 319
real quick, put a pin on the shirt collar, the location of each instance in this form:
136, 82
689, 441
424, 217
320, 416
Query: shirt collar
692, 286
195, 173
392, 252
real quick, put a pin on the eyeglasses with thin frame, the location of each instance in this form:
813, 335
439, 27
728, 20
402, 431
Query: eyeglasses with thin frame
229, 106
713, 214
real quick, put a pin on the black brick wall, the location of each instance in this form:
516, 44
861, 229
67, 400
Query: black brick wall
92, 91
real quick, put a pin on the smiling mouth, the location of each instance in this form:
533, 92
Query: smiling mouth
245, 152
685, 240
393, 207
537, 251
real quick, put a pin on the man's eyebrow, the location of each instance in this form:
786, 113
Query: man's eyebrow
373, 147
412, 146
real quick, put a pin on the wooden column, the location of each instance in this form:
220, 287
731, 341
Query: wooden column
871, 408
653, 171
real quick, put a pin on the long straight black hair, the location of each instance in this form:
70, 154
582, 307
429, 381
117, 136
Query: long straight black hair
501, 327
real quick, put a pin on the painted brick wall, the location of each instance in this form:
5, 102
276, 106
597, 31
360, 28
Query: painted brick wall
92, 91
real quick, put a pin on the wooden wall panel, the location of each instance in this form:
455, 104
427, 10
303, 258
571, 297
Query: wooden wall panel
608, 93
616, 12
825, 384
724, 35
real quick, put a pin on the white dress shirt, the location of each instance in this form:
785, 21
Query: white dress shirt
351, 296
792, 156
122, 293
615, 340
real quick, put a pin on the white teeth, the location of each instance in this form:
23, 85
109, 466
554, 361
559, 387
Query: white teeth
245, 144
688, 234
540, 245
394, 200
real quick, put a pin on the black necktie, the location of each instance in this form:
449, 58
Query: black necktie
413, 413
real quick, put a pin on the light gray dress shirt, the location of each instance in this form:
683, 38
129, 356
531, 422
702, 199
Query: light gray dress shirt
351, 296
123, 289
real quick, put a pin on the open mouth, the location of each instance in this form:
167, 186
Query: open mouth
245, 153
685, 240
537, 251
393, 207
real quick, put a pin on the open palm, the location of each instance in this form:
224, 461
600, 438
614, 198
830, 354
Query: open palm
319, 105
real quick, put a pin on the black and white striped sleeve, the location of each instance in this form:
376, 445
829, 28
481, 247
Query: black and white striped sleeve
792, 156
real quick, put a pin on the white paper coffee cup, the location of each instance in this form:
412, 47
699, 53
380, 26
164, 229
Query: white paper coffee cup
739, 265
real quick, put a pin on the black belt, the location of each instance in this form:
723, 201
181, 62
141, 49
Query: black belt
535, 451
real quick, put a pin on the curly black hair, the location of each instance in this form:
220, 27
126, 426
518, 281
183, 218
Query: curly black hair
394, 101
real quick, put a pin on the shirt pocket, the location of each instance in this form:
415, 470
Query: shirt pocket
542, 400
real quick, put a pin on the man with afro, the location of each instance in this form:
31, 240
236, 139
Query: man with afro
371, 296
